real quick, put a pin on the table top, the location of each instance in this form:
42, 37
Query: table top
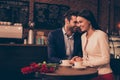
69, 71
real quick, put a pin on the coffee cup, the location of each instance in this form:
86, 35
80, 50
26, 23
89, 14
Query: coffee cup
65, 62
78, 64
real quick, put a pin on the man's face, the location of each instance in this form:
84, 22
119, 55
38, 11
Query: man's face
72, 24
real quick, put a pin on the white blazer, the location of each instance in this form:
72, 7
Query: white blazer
96, 51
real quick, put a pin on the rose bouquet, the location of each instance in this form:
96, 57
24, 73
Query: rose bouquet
40, 67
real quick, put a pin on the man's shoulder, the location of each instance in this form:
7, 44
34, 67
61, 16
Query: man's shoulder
56, 30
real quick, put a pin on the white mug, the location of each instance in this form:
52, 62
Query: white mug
78, 64
65, 62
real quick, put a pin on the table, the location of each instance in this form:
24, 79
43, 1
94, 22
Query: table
67, 73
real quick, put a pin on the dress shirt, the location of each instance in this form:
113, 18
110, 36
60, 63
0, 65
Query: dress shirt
69, 43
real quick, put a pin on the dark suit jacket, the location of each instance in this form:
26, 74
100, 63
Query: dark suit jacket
56, 46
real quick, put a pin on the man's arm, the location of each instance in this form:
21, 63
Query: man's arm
52, 48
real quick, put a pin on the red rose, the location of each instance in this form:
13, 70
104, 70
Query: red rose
36, 67
44, 70
26, 70
33, 64
44, 66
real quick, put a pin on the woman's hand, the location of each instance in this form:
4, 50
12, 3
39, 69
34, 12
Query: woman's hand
75, 59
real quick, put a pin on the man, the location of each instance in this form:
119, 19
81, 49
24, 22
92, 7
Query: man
64, 43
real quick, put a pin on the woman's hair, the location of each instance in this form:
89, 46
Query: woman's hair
87, 14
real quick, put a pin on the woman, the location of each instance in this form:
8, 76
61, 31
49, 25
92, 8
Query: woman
94, 45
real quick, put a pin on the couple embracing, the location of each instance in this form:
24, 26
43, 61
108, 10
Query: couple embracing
81, 39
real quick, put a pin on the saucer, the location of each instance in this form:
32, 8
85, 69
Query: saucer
79, 67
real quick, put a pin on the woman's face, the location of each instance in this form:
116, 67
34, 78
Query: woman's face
83, 23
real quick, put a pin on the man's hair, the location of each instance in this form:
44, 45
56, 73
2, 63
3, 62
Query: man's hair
70, 13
